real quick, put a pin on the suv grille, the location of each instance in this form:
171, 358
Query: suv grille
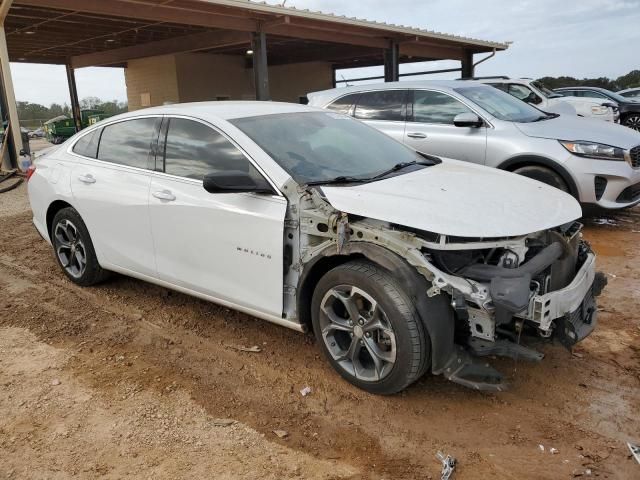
635, 157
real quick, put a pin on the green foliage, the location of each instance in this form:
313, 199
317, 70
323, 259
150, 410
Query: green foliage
630, 80
33, 115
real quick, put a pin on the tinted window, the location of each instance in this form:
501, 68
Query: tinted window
591, 94
318, 146
501, 105
128, 143
436, 107
194, 149
87, 146
383, 105
343, 105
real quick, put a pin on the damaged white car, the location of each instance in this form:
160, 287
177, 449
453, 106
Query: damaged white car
399, 263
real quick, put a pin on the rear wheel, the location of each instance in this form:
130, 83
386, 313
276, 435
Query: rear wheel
632, 121
74, 250
544, 175
368, 328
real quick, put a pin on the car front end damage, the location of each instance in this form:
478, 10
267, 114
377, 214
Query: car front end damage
499, 292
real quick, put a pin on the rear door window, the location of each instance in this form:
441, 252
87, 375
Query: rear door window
87, 146
193, 149
382, 105
129, 143
344, 104
436, 107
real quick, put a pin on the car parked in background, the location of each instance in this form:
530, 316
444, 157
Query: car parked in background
313, 220
631, 94
535, 93
597, 162
629, 110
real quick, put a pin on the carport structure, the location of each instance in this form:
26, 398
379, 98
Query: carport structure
189, 50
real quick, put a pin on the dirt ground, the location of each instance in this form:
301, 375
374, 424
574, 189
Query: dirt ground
131, 380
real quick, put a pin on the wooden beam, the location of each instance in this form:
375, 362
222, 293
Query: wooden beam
147, 12
189, 43
296, 31
424, 50
10, 97
260, 69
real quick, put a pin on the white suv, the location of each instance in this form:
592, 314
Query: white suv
535, 93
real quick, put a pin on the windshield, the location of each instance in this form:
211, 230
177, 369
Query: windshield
617, 97
315, 147
501, 105
545, 90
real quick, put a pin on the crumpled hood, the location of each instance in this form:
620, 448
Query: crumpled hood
459, 199
566, 127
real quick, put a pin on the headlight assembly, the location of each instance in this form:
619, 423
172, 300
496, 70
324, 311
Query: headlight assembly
599, 110
594, 150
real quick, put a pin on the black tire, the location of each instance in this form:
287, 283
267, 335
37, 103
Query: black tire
632, 121
67, 245
411, 342
544, 175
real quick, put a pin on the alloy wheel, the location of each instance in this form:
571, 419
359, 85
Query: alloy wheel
357, 333
70, 248
633, 122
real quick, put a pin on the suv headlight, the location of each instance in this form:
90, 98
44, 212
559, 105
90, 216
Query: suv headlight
599, 110
594, 150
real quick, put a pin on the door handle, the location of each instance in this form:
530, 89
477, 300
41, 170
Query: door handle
164, 195
416, 135
88, 178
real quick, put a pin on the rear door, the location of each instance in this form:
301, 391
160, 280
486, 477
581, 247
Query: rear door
110, 184
385, 110
430, 128
227, 245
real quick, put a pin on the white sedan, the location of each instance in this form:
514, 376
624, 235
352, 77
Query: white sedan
398, 262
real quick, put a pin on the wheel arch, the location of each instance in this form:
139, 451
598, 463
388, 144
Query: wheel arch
535, 160
435, 312
53, 209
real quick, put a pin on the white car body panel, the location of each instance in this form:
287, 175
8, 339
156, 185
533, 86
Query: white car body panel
205, 242
430, 199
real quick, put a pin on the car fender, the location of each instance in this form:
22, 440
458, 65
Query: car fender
522, 160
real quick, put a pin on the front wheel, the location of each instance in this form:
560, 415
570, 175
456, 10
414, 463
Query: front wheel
369, 329
544, 175
632, 121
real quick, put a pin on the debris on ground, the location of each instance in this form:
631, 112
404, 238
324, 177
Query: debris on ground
224, 422
281, 433
553, 451
448, 465
635, 450
541, 447
305, 391
55, 382
254, 349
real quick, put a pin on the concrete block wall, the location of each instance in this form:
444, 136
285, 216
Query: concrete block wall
152, 79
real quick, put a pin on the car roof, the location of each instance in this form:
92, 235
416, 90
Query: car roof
225, 110
441, 84
584, 87
629, 90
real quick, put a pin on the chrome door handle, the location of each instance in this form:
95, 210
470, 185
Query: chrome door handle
164, 195
88, 178
416, 135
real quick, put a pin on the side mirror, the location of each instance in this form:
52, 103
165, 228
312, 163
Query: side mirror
235, 181
22, 152
468, 120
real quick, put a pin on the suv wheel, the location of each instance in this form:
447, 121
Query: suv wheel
632, 121
369, 329
544, 175
74, 250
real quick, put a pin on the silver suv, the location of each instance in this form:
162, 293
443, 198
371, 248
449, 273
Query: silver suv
597, 162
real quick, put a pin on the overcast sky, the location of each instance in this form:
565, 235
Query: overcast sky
579, 38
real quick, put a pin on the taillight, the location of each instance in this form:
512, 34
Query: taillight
30, 171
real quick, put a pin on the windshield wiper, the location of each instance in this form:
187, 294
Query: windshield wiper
399, 166
337, 181
545, 117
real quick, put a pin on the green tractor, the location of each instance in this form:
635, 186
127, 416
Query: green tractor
58, 129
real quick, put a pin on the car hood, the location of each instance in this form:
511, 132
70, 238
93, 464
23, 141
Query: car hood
578, 128
459, 199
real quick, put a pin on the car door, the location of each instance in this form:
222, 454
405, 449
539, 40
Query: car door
384, 110
228, 246
430, 128
110, 184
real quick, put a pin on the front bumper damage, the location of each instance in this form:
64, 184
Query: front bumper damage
542, 284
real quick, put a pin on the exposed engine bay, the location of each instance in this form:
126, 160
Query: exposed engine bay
501, 291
